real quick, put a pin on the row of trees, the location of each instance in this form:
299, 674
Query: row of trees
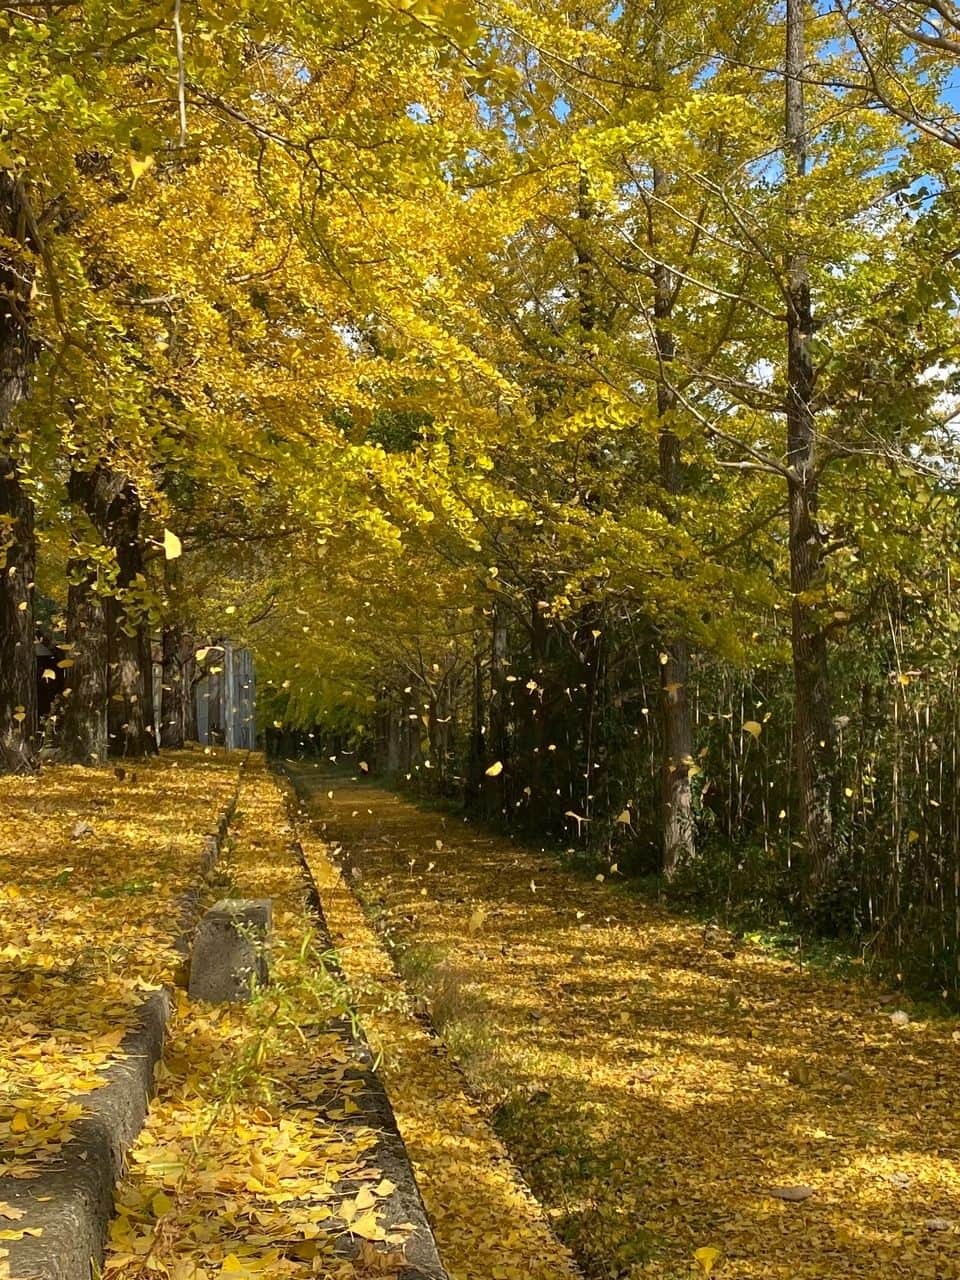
558, 398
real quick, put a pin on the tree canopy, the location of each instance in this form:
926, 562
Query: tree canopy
558, 400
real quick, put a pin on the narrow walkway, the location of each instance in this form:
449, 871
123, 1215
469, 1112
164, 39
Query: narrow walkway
248, 1165
664, 1090
94, 865
486, 1223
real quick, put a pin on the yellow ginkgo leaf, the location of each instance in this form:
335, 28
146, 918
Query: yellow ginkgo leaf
139, 165
172, 546
707, 1258
624, 817
753, 727
495, 769
367, 1227
162, 1204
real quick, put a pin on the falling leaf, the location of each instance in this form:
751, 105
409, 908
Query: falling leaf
495, 769
172, 546
753, 727
139, 165
624, 817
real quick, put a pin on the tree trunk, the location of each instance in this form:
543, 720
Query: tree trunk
477, 742
84, 734
175, 689
534, 712
18, 666
813, 723
499, 744
191, 729
676, 794
83, 738
176, 650
131, 719
393, 734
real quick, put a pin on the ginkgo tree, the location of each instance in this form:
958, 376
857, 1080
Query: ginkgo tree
556, 397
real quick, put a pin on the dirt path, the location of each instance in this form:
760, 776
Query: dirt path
486, 1223
660, 1082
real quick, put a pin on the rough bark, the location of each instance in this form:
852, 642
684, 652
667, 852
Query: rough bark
393, 734
83, 738
177, 649
131, 715
813, 723
191, 729
18, 668
532, 718
18, 689
175, 692
676, 793
477, 741
495, 788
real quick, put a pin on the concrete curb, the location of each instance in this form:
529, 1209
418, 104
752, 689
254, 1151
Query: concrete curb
390, 1154
72, 1201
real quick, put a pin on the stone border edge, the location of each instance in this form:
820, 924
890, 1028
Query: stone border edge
405, 1204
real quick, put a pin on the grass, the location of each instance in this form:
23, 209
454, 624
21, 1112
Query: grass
455, 1007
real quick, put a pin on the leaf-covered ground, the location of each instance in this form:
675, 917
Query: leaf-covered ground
252, 1161
678, 1101
245, 1166
93, 866
487, 1225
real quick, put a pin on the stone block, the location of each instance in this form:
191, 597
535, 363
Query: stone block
211, 853
230, 951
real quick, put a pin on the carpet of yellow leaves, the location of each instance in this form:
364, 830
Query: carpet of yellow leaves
658, 1082
487, 1224
93, 866
249, 1164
